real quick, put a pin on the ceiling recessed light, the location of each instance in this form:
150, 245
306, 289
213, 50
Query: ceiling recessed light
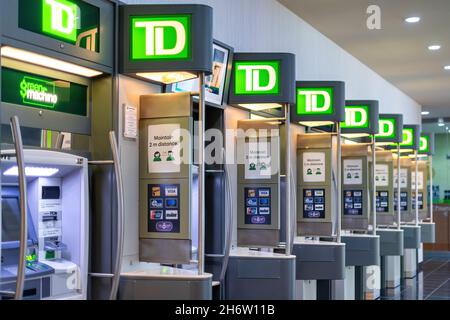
434, 47
440, 124
412, 19
447, 68
425, 113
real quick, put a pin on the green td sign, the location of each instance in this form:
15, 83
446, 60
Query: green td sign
386, 128
38, 92
424, 146
257, 77
60, 18
408, 137
161, 37
356, 117
314, 101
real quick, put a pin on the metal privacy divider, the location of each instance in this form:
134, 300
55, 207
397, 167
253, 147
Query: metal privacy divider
115, 276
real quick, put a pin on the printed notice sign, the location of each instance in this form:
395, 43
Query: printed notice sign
314, 167
352, 171
164, 148
257, 160
382, 175
403, 178
130, 121
413, 180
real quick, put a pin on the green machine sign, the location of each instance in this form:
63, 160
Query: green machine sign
73, 21
408, 137
257, 77
390, 127
386, 128
160, 37
314, 101
424, 146
26, 89
356, 117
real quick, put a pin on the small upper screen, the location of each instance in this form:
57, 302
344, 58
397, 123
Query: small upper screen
72, 21
214, 83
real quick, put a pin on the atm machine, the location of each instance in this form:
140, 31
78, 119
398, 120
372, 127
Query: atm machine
318, 247
358, 214
426, 209
410, 216
57, 83
164, 234
58, 224
388, 210
258, 268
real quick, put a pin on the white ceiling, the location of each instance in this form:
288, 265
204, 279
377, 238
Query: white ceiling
399, 51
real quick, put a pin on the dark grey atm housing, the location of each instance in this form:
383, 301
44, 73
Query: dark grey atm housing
373, 116
391, 242
201, 39
361, 250
287, 79
412, 235
338, 114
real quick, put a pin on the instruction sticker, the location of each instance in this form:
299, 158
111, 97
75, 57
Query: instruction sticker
258, 160
352, 171
382, 175
314, 167
164, 148
403, 178
413, 180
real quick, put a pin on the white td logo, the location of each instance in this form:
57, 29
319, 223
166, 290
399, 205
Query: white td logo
311, 104
154, 37
350, 117
252, 77
386, 128
58, 12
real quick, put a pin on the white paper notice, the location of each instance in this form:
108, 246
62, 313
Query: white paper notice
382, 175
403, 178
413, 180
164, 148
352, 171
314, 167
257, 160
130, 123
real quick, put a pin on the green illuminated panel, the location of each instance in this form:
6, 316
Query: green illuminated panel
315, 101
30, 90
386, 128
356, 117
160, 37
257, 77
408, 137
73, 21
424, 144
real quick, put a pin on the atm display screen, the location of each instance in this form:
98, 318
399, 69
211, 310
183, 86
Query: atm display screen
10, 219
413, 201
353, 203
314, 203
257, 206
403, 201
382, 201
164, 208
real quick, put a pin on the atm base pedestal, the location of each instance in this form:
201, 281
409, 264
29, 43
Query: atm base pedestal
305, 290
345, 289
410, 263
255, 275
372, 282
412, 235
391, 272
428, 234
391, 251
164, 283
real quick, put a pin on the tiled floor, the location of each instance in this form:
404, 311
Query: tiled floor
432, 283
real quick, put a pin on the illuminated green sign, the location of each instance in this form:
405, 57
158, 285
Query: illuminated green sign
314, 101
424, 146
356, 117
257, 77
160, 37
38, 92
386, 128
31, 90
408, 137
73, 21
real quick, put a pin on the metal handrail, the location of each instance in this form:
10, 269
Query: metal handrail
115, 276
229, 224
293, 209
18, 145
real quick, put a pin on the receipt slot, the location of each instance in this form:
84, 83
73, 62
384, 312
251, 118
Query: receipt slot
391, 235
427, 224
319, 262
258, 269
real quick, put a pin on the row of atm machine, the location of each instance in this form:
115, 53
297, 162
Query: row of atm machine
188, 171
